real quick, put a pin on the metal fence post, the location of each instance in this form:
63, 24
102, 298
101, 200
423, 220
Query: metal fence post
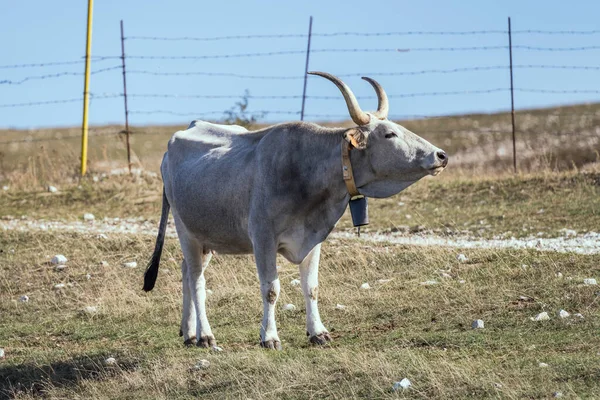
125, 97
512, 98
86, 89
306, 68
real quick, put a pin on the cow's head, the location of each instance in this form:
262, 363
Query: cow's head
392, 157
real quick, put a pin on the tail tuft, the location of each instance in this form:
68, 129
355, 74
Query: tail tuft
152, 270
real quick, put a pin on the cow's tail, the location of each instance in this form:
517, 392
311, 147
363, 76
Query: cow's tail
152, 270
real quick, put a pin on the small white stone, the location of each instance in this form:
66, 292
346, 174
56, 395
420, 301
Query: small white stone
5, 188
88, 276
217, 348
58, 259
365, 286
202, 364
462, 258
295, 282
563, 314
408, 216
289, 307
90, 310
477, 324
559, 275
110, 361
382, 281
104, 263
557, 394
131, 264
88, 217
95, 179
543, 316
1, 353
59, 286
429, 283
462, 281
209, 292
403, 384
543, 365
102, 236
52, 189
24, 298
590, 281
340, 307
578, 315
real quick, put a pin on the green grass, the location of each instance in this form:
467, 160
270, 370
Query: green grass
394, 330
512, 206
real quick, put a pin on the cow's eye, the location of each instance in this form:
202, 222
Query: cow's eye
390, 135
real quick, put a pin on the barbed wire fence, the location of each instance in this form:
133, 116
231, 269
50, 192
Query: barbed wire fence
303, 97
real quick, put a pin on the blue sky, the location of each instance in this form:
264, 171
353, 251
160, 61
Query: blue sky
41, 32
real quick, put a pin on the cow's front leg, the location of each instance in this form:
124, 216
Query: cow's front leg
265, 255
309, 276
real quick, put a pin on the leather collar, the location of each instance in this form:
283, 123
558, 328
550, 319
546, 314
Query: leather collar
347, 172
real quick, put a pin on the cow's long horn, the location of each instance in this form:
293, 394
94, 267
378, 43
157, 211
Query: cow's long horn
383, 105
358, 116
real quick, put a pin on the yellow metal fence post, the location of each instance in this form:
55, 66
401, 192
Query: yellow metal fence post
86, 90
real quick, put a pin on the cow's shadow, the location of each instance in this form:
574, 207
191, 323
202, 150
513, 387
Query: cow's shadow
35, 379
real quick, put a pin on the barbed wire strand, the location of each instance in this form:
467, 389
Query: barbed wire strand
57, 75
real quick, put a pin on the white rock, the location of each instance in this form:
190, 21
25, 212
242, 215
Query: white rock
365, 286
462, 281
563, 314
88, 276
131, 264
477, 324
24, 298
408, 216
462, 258
58, 259
340, 307
209, 292
559, 275
403, 384
557, 394
578, 315
429, 283
88, 217
52, 189
543, 365
5, 188
59, 286
590, 281
382, 281
202, 364
90, 310
217, 348
543, 316
104, 263
95, 179
102, 236
1, 353
110, 361
295, 282
289, 307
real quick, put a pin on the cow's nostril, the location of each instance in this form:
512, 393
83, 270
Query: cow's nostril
441, 155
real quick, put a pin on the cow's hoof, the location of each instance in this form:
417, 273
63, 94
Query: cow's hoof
190, 342
321, 338
206, 342
271, 344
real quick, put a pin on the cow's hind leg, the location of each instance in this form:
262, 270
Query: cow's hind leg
196, 258
188, 319
309, 276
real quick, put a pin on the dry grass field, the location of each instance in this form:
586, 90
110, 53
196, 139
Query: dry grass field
399, 328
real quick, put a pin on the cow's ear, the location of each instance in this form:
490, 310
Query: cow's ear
357, 137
